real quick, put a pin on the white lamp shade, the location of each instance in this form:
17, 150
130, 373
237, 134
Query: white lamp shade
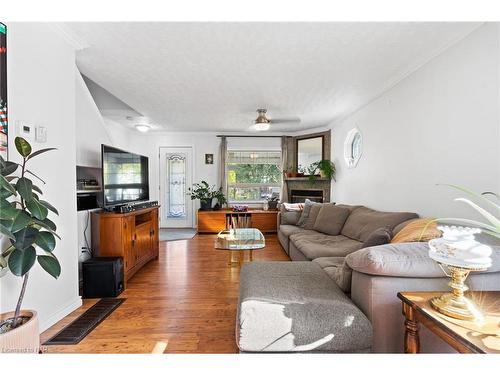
459, 248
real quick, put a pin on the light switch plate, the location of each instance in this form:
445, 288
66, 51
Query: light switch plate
41, 134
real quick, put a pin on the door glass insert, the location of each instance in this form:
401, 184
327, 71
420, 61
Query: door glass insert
177, 195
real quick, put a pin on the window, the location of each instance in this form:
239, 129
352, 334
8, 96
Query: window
253, 176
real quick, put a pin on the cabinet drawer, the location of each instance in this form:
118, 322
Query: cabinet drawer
265, 222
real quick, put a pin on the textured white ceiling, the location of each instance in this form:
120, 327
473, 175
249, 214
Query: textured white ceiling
212, 76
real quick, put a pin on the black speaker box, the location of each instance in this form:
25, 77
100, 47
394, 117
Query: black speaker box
102, 277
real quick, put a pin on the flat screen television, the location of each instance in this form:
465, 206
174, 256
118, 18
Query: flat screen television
124, 177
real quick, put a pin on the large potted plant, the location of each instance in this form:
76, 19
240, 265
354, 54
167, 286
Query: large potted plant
206, 194
31, 239
326, 169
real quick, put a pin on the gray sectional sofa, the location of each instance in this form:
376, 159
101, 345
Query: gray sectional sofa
332, 236
340, 293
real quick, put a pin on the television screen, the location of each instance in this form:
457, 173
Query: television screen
124, 177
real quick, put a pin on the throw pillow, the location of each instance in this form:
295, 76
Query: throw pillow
304, 217
331, 219
289, 217
420, 230
378, 237
313, 214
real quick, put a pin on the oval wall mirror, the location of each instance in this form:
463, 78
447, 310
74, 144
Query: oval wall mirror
353, 147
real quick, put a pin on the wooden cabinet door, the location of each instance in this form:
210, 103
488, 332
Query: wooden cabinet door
211, 222
143, 242
265, 222
128, 242
155, 235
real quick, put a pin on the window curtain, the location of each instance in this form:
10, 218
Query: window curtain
284, 166
222, 169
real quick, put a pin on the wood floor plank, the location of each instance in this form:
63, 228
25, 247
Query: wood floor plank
186, 301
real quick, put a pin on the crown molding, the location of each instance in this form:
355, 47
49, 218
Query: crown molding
76, 42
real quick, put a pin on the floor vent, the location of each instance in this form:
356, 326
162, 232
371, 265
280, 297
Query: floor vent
76, 331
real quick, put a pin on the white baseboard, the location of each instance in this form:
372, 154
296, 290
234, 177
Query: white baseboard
61, 313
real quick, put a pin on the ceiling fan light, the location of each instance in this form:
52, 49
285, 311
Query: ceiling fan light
261, 126
143, 128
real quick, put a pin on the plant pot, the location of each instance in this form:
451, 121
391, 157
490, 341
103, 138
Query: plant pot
322, 174
23, 339
206, 205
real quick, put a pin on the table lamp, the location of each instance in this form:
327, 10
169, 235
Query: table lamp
460, 253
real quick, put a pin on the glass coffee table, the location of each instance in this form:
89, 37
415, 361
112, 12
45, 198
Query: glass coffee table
239, 240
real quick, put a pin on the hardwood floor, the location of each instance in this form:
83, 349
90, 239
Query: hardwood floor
185, 301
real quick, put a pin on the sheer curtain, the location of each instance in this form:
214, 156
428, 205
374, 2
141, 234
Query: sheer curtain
222, 169
284, 166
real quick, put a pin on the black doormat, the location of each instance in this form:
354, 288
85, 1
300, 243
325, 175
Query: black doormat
76, 331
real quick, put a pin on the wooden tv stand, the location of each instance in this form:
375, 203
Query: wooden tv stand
216, 221
134, 236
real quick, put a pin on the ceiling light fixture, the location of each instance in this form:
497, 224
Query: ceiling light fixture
143, 128
262, 122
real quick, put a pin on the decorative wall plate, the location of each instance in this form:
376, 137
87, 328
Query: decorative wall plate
353, 147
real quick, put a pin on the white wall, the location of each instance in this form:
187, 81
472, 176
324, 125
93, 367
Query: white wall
439, 125
92, 129
41, 71
202, 143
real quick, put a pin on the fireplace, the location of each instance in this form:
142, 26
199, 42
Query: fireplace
300, 195
301, 188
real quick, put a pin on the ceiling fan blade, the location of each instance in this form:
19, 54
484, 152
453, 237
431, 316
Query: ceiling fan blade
285, 120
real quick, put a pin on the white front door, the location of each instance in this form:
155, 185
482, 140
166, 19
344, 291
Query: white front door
176, 165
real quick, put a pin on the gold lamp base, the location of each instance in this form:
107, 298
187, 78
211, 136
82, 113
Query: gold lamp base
455, 304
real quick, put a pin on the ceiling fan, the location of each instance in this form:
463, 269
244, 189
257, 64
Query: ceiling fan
263, 123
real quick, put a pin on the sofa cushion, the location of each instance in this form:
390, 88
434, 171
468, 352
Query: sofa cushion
331, 219
419, 230
315, 245
309, 214
363, 221
404, 260
288, 230
379, 236
338, 270
289, 217
296, 307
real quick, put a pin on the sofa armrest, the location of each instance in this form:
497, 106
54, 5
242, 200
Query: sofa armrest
403, 260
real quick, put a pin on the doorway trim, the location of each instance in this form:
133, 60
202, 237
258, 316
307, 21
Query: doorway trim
162, 174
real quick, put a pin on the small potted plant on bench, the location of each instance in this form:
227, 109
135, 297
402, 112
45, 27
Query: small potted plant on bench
206, 194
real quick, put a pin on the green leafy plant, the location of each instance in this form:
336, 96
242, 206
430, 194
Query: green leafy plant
205, 193
24, 221
221, 198
327, 168
482, 204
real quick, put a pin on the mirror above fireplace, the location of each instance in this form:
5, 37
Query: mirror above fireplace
309, 150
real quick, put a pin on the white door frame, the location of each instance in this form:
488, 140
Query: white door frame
163, 150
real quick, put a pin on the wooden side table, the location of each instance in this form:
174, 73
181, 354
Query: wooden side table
463, 336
